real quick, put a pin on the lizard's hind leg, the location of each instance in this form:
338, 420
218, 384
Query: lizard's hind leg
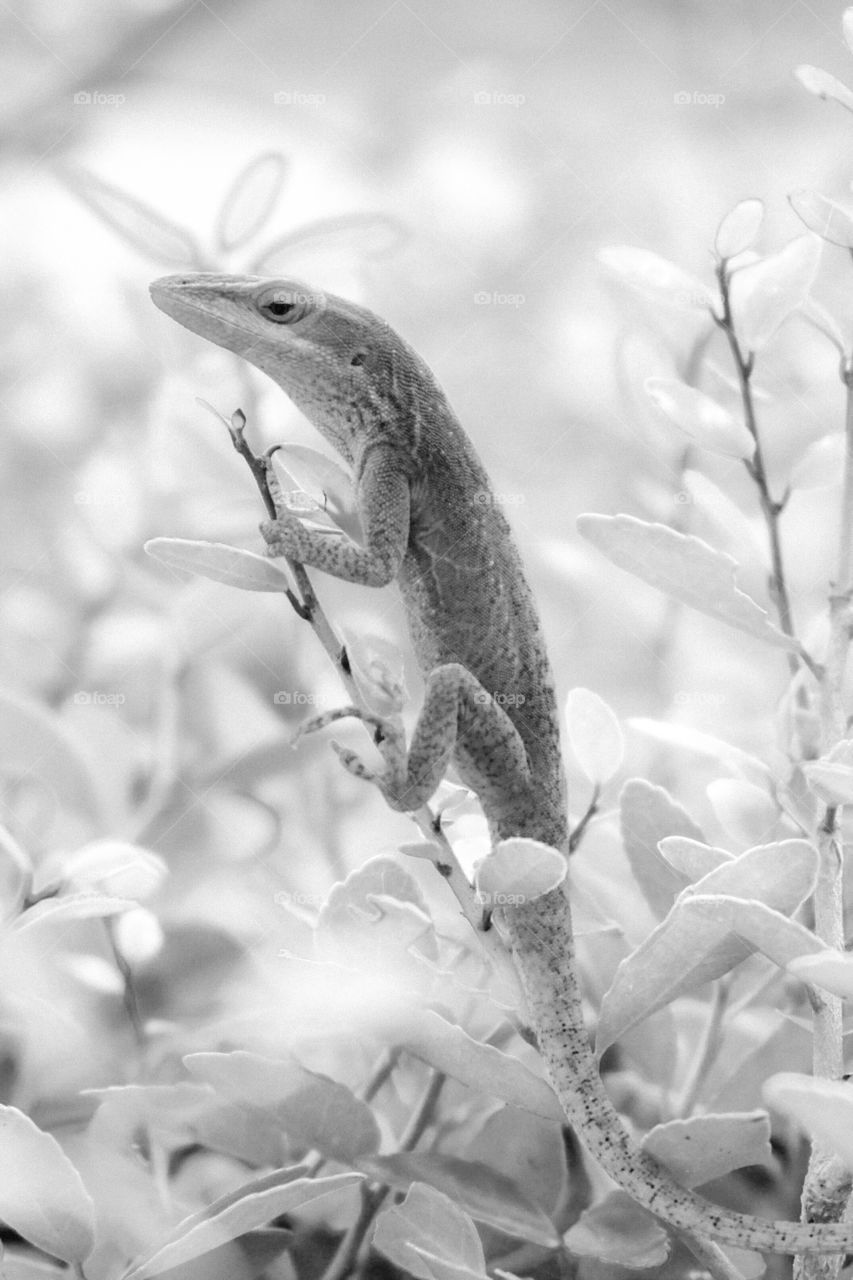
459, 720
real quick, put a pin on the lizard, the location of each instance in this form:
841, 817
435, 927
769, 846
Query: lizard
432, 523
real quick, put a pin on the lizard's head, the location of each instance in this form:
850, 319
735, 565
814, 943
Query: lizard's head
338, 362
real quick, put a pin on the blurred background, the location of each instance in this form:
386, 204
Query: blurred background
457, 168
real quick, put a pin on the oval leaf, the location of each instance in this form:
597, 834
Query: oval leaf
654, 275
831, 781
747, 812
700, 417
829, 220
72, 906
42, 1195
479, 1190
647, 814
685, 738
764, 295
706, 1147
684, 567
251, 1206
823, 1108
739, 228
825, 86
820, 467
831, 970
231, 565
518, 871
369, 235
617, 1231
692, 858
430, 1237
310, 1107
142, 227
251, 200
595, 735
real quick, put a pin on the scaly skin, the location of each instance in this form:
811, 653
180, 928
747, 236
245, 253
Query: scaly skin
431, 523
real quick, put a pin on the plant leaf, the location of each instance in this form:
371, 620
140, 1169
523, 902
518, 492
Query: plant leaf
654, 275
823, 85
618, 1232
822, 1108
830, 970
695, 944
825, 217
369, 235
702, 1148
42, 1195
647, 814
684, 567
140, 226
692, 858
220, 562
250, 201
519, 870
595, 735
764, 295
739, 228
430, 1237
308, 1106
482, 1192
231, 1216
700, 417
685, 738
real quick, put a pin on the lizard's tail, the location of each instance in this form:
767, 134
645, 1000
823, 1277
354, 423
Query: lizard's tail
541, 938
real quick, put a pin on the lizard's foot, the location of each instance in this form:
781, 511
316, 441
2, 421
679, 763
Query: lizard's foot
281, 534
389, 738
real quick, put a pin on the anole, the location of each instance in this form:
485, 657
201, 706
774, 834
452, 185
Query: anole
433, 525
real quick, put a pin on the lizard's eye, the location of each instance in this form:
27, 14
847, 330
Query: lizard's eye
283, 306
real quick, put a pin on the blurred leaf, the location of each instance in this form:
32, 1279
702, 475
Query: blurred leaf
823, 85
684, 567
824, 217
35, 743
703, 1148
378, 669
656, 276
519, 871
821, 466
531, 1151
366, 235
646, 815
616, 1231
42, 1195
595, 735
16, 875
115, 866
749, 814
830, 970
252, 1205
818, 316
685, 738
694, 945
20, 1265
822, 1108
483, 1068
847, 27
140, 226
222, 563
430, 1237
692, 858
484, 1193
251, 200
739, 228
356, 928
703, 419
765, 294
737, 530
72, 906
831, 779
311, 1108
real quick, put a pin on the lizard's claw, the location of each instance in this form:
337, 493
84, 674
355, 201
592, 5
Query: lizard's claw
354, 764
